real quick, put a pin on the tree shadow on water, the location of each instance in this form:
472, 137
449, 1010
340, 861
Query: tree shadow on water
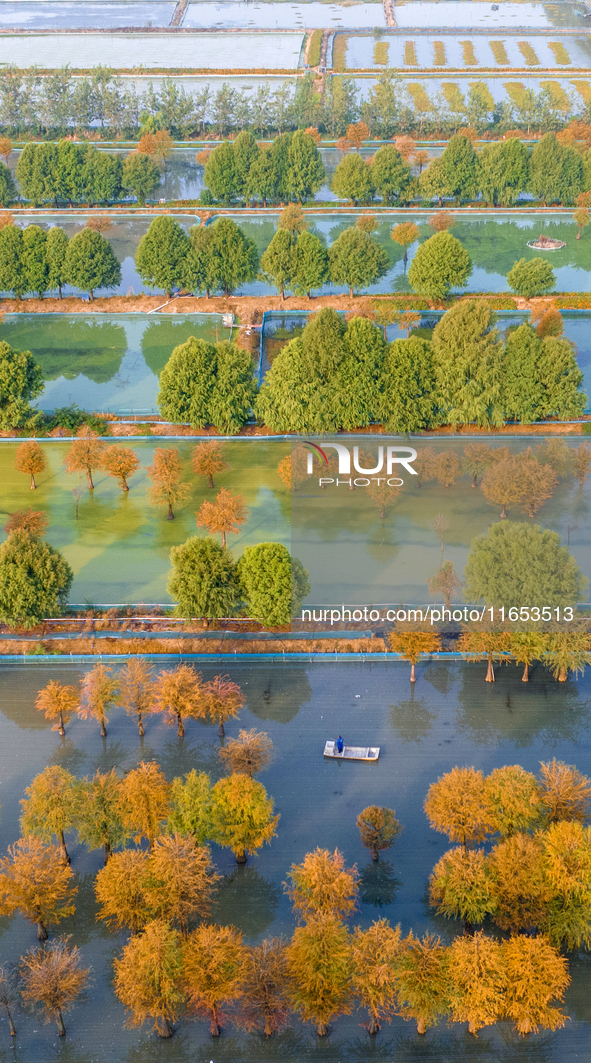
378, 884
68, 756
411, 718
180, 757
246, 900
154, 1049
278, 695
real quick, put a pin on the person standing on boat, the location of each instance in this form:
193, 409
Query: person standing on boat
340, 745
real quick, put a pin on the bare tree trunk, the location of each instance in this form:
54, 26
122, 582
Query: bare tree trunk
215, 1027
525, 676
33, 484
64, 850
221, 730
322, 1029
375, 854
89, 478
223, 538
60, 1022
62, 729
42, 934
241, 858
107, 852
490, 672
163, 1027
181, 727
140, 725
421, 1026
413, 672
10, 1022
170, 515
373, 1025
103, 728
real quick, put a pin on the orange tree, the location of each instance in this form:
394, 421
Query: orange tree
86, 454
411, 644
57, 702
167, 487
485, 645
241, 816
121, 463
224, 515
30, 459
208, 459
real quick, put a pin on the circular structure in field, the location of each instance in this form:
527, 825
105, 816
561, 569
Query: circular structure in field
546, 243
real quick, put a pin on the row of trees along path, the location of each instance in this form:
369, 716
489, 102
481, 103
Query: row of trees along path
176, 963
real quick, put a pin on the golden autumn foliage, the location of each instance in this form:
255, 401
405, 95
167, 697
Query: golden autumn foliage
378, 828
526, 647
477, 981
167, 488
264, 1005
35, 881
319, 971
457, 805
521, 891
537, 976
144, 803
293, 468
567, 651
565, 792
223, 701
98, 690
121, 463
136, 690
248, 754
7, 996
214, 962
97, 812
119, 890
241, 816
191, 800
410, 644
31, 521
485, 645
86, 454
476, 457
519, 481
582, 462
52, 979
208, 460
178, 695
48, 810
374, 957
461, 887
30, 459
180, 880
422, 981
149, 977
322, 886
226, 514
57, 702
514, 799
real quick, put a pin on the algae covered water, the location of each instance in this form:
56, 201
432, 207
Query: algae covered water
452, 717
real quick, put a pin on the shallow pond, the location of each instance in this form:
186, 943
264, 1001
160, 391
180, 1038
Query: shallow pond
119, 545
493, 17
280, 15
44, 15
129, 52
105, 362
451, 717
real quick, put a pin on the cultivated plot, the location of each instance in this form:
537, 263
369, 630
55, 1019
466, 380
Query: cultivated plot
406, 53
281, 15
39, 15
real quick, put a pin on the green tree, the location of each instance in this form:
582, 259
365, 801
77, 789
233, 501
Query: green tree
198, 275
352, 180
359, 375
439, 265
190, 812
280, 161
34, 261
460, 169
319, 969
21, 379
149, 977
12, 273
305, 169
56, 246
467, 353
219, 174
309, 264
234, 389
140, 176
35, 581
7, 187
390, 174
356, 260
187, 383
91, 263
242, 816
273, 584
97, 812
405, 234
232, 257
433, 182
503, 171
556, 171
531, 277
408, 399
48, 811
515, 563
245, 152
160, 257
262, 179
203, 580
277, 262
103, 177
541, 378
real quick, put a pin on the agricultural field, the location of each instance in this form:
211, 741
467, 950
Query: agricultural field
130, 52
459, 14
46, 15
469, 51
281, 15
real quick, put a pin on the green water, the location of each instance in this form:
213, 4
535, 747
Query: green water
120, 544
105, 362
453, 717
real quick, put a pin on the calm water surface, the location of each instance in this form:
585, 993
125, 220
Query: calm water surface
453, 717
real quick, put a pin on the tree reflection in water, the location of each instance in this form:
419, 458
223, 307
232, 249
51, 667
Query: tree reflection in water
378, 884
411, 718
246, 900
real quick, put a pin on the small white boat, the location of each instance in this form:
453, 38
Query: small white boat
351, 752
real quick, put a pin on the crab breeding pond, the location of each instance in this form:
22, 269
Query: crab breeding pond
451, 716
